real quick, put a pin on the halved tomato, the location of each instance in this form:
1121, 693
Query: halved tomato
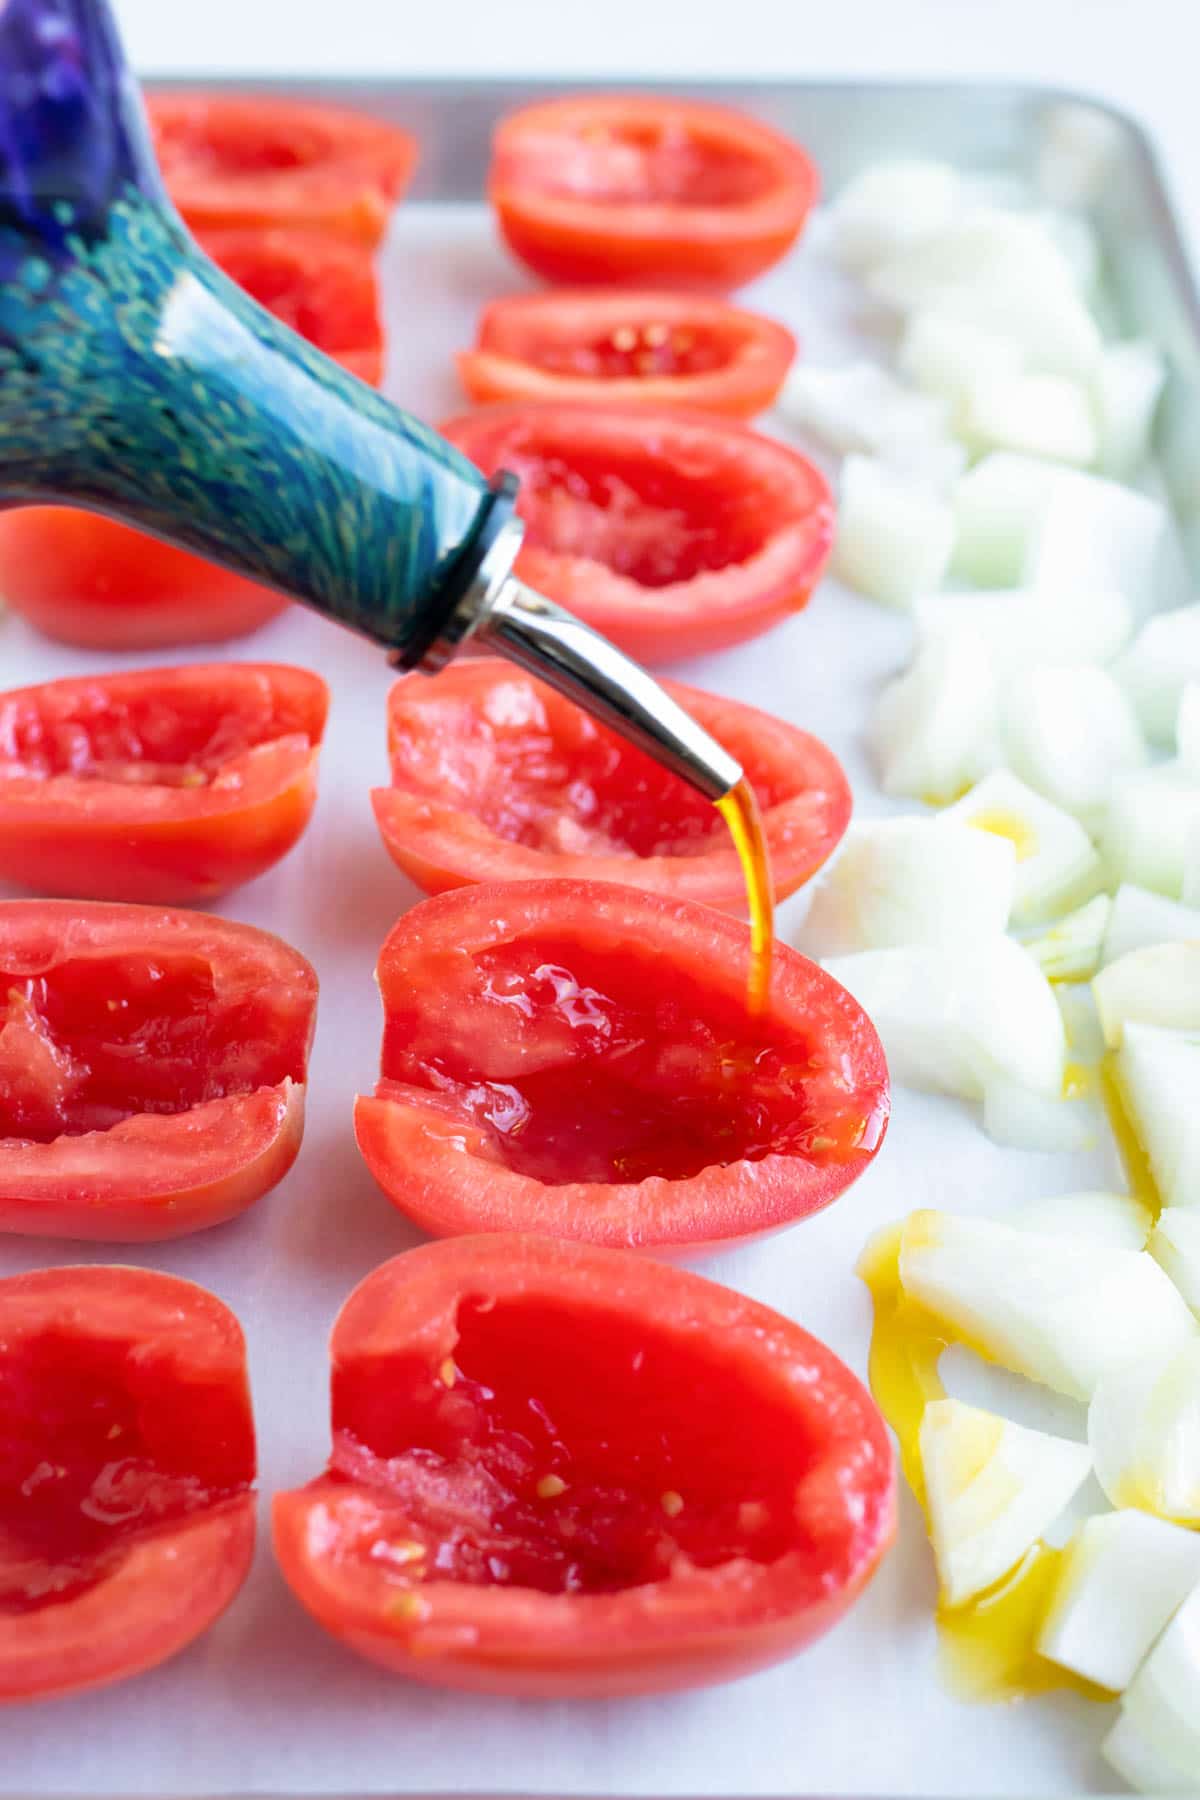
255, 159
637, 188
559, 1470
126, 1468
152, 1068
627, 348
576, 1057
497, 777
158, 784
672, 532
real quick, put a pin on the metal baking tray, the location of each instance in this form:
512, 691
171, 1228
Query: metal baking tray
265, 1703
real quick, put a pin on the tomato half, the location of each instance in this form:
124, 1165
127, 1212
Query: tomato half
576, 1057
559, 1470
496, 777
152, 1068
627, 348
671, 532
126, 1467
634, 188
252, 159
157, 784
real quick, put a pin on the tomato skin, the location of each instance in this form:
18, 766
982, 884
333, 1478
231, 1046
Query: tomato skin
435, 818
553, 1301
672, 532
171, 1349
230, 159
568, 346
452, 1026
633, 189
123, 1123
235, 747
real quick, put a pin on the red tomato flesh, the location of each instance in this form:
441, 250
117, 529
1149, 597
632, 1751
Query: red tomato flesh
152, 1068
576, 1057
496, 1517
627, 348
159, 784
496, 777
642, 189
671, 532
126, 1466
252, 159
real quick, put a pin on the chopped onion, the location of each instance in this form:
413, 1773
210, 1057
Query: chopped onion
1139, 917
1117, 1220
1144, 1430
935, 727
1152, 814
1068, 732
1144, 1766
1035, 415
1023, 628
890, 206
1075, 236
955, 1017
1057, 864
894, 537
912, 880
1014, 1115
1187, 726
992, 1488
1081, 1022
946, 356
1159, 1076
1128, 382
1156, 985
999, 507
1123, 1577
1096, 533
1158, 665
1070, 950
1160, 1701
860, 407
1175, 1245
1059, 1311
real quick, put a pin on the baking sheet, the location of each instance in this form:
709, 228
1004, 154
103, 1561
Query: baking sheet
265, 1701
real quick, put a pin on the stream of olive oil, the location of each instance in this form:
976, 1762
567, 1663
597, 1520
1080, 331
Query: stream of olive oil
740, 811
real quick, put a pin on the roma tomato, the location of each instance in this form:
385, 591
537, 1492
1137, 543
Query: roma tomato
671, 532
126, 1467
576, 1057
632, 188
496, 777
152, 1068
252, 159
559, 1470
158, 784
627, 348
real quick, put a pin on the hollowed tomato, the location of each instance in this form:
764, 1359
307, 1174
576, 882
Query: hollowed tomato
559, 1470
158, 784
252, 159
152, 1068
576, 1057
126, 1467
671, 532
627, 348
635, 188
85, 579
496, 777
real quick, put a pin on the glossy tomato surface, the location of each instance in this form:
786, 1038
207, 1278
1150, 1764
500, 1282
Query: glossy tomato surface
254, 159
671, 532
638, 189
157, 784
152, 1068
627, 348
559, 1470
126, 1467
495, 777
576, 1057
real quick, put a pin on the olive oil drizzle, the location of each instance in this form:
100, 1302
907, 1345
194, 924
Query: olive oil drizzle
740, 810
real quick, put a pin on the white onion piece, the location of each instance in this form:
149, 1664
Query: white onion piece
999, 508
1069, 732
1144, 1430
944, 355
1144, 1766
1070, 950
911, 880
1152, 814
935, 727
1017, 1117
1059, 1311
1158, 665
957, 1016
1081, 1022
1075, 236
1123, 1577
1156, 985
1187, 726
1057, 865
992, 1488
1127, 385
1175, 1246
1159, 1077
894, 537
1023, 628
1139, 917
1096, 533
859, 407
1118, 1220
1034, 415
890, 206
1160, 1701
